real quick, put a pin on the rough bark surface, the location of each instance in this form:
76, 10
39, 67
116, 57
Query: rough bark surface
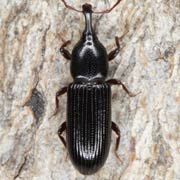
32, 70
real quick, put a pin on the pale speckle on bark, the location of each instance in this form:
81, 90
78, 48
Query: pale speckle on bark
32, 70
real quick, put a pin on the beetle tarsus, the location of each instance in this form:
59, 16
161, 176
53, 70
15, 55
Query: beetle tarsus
66, 54
59, 93
116, 129
61, 129
118, 82
114, 52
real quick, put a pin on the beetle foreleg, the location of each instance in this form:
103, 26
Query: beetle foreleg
116, 129
64, 51
114, 52
59, 93
118, 82
61, 129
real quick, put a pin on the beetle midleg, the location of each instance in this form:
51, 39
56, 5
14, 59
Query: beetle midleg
61, 129
59, 93
64, 51
118, 82
116, 129
114, 52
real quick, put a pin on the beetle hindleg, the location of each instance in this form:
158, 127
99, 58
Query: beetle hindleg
114, 52
61, 129
118, 82
64, 51
59, 93
116, 129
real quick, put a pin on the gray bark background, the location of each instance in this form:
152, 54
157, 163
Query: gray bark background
32, 70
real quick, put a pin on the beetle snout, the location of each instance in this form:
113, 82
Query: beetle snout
87, 7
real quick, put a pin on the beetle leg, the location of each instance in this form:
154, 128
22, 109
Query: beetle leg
61, 129
64, 51
114, 52
116, 129
118, 82
59, 93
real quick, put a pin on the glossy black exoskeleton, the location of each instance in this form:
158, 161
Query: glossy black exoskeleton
88, 125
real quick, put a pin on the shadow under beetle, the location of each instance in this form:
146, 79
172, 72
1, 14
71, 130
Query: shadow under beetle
88, 126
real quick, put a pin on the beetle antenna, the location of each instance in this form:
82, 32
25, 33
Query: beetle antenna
108, 10
97, 12
70, 7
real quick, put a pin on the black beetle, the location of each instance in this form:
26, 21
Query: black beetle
88, 125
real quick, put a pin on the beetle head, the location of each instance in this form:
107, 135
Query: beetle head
87, 8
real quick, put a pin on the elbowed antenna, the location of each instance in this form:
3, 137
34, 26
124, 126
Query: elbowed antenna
97, 12
70, 7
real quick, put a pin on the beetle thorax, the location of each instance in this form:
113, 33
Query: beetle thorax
89, 56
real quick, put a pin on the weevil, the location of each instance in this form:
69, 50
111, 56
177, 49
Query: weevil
88, 126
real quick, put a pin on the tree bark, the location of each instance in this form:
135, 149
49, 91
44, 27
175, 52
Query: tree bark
32, 70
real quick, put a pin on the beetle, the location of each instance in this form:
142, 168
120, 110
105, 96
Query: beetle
88, 126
